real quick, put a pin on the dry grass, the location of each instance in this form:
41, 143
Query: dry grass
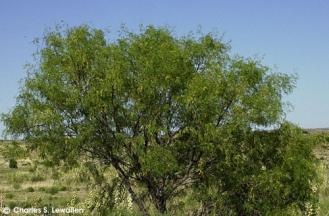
19, 188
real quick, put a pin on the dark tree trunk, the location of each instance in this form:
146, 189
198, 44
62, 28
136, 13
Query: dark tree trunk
160, 204
137, 200
139, 203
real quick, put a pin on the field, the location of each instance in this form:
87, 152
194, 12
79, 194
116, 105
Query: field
35, 184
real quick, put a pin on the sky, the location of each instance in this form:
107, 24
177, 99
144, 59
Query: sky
291, 36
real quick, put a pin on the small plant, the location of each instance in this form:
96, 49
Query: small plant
32, 169
9, 196
62, 188
42, 189
12, 163
12, 205
16, 186
30, 189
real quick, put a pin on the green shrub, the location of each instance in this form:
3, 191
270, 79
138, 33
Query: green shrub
12, 163
16, 186
202, 121
30, 189
9, 196
264, 170
63, 188
32, 169
12, 205
42, 189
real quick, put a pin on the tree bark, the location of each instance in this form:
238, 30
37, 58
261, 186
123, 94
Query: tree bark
136, 199
160, 204
128, 186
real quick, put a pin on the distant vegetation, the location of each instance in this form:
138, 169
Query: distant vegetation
32, 184
157, 125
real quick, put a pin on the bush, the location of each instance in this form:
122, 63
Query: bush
62, 188
264, 170
30, 189
12, 205
42, 189
32, 169
16, 186
12, 164
9, 196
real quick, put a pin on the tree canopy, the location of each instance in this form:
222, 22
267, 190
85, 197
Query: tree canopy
171, 115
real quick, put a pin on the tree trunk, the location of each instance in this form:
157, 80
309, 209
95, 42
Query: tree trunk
160, 204
136, 199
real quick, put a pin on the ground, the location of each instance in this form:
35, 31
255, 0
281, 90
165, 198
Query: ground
35, 184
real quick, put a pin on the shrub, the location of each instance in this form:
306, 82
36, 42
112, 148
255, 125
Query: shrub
32, 169
12, 163
263, 171
16, 186
62, 188
9, 196
12, 205
30, 189
42, 189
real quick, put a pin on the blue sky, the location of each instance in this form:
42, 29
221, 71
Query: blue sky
291, 36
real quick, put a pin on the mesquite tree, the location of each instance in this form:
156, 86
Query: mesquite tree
167, 114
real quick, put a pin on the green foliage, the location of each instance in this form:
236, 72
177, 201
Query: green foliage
30, 189
13, 150
16, 185
263, 172
63, 188
12, 163
42, 189
12, 205
170, 115
9, 196
159, 162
